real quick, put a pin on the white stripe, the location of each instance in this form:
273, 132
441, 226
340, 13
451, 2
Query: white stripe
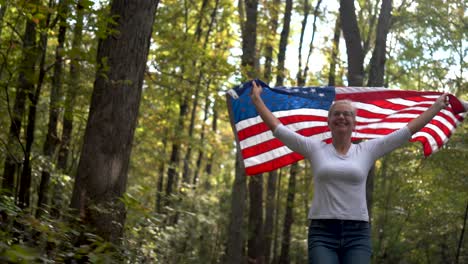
301, 111
407, 102
429, 138
275, 153
268, 135
348, 90
373, 108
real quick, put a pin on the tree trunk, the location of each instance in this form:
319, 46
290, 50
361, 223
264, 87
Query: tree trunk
25, 180
270, 207
173, 170
255, 244
334, 53
376, 77
3, 10
377, 63
51, 141
301, 41
289, 216
353, 43
235, 240
273, 23
276, 229
25, 87
214, 128
102, 171
73, 87
311, 45
283, 43
249, 40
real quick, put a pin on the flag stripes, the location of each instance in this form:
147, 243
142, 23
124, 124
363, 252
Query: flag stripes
379, 111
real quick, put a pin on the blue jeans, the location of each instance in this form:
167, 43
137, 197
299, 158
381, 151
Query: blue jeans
334, 241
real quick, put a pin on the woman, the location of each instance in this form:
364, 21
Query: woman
339, 230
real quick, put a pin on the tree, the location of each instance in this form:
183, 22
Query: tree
235, 240
102, 171
25, 86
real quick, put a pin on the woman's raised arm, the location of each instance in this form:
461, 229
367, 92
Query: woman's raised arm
419, 122
270, 120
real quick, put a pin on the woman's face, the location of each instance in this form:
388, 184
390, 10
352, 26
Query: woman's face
342, 119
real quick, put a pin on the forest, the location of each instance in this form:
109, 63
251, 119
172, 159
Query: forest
117, 145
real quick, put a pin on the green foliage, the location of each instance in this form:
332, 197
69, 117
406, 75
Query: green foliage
419, 202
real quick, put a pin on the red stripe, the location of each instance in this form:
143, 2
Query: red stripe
382, 95
286, 120
274, 164
269, 145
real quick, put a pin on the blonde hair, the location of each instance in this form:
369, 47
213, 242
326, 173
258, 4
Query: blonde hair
348, 102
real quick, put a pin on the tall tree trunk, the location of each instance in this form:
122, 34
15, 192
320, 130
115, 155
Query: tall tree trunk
283, 43
353, 43
173, 171
214, 128
198, 34
376, 77
334, 52
255, 244
73, 87
250, 66
272, 176
377, 63
249, 40
51, 141
25, 180
460, 241
25, 86
102, 171
270, 207
235, 240
276, 229
311, 44
3, 10
306, 10
273, 23
289, 216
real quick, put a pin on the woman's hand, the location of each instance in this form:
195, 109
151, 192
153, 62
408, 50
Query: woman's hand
256, 90
442, 101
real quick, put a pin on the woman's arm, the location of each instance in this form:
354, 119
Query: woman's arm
419, 122
270, 120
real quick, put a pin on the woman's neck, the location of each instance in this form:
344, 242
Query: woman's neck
342, 144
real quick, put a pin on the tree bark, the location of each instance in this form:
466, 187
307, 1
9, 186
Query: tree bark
25, 87
311, 44
235, 239
255, 244
102, 171
25, 180
289, 216
376, 77
353, 43
334, 53
73, 87
283, 43
273, 26
270, 207
377, 63
51, 142
249, 40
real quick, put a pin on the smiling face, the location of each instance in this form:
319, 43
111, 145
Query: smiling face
342, 118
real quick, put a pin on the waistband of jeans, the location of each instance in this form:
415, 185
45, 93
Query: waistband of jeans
337, 221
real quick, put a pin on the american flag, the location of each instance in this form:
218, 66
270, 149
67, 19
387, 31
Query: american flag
380, 111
